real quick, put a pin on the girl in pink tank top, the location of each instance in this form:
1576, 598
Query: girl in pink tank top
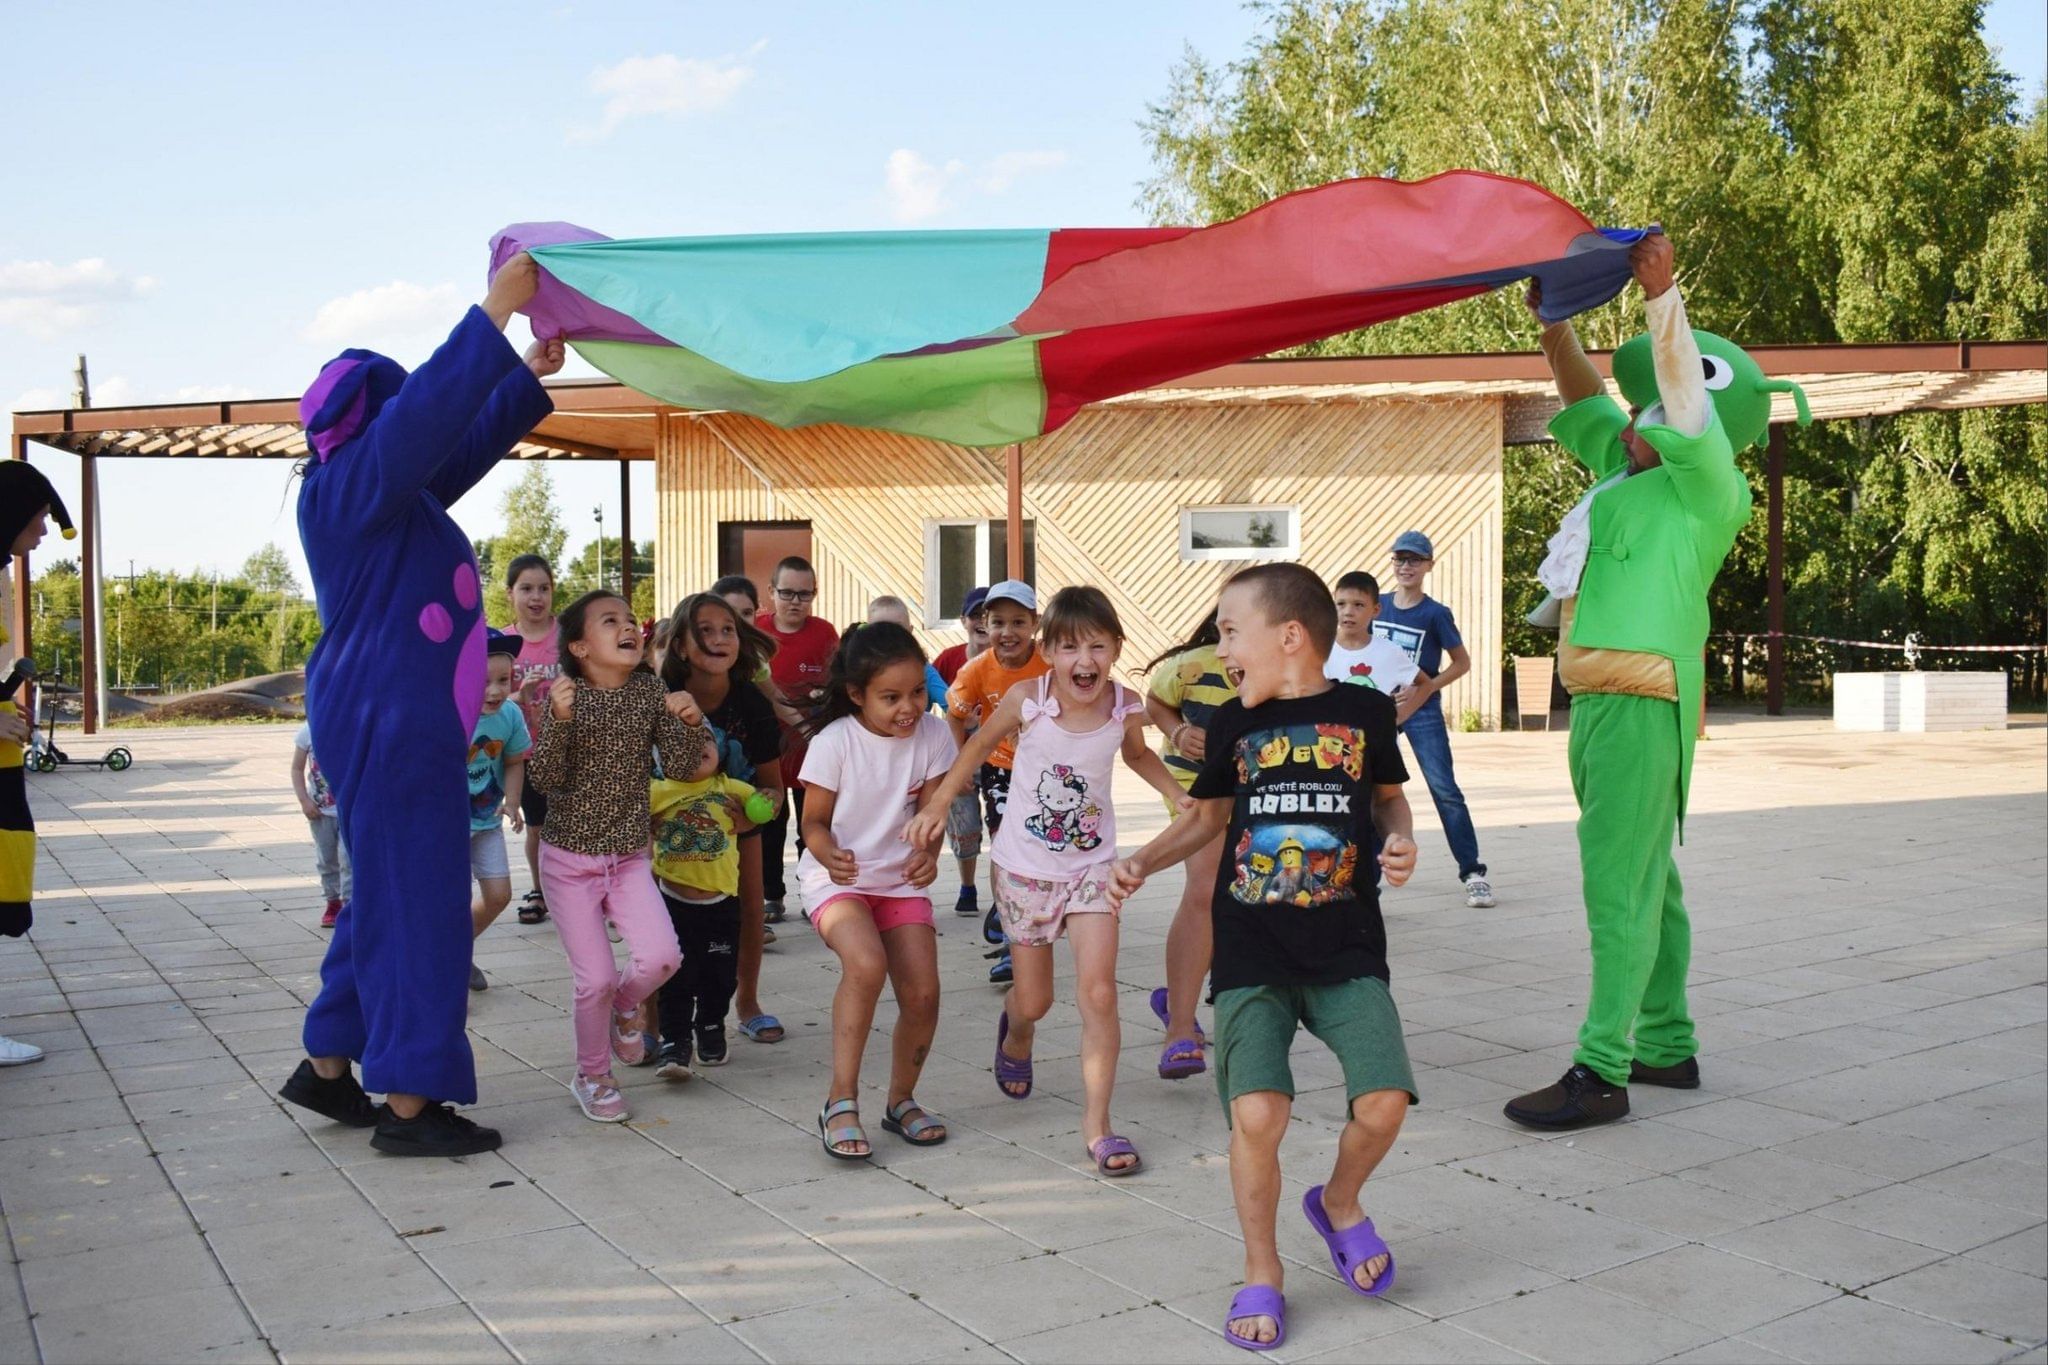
1053, 854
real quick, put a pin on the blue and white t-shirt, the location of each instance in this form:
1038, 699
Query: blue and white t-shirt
1423, 632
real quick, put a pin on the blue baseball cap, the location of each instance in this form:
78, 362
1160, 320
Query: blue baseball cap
974, 599
1413, 543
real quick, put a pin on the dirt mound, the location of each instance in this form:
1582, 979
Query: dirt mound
216, 706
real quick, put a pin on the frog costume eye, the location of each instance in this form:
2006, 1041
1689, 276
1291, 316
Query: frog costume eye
1740, 391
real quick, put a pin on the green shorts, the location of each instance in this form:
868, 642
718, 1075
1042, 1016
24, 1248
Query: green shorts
1356, 1020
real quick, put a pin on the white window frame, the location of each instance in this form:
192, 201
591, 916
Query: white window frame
936, 612
1290, 549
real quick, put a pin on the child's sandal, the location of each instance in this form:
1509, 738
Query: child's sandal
533, 909
832, 1134
914, 1130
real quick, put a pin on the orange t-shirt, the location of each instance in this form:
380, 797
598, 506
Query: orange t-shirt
978, 689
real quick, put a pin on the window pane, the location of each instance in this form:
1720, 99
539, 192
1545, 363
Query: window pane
999, 551
1240, 528
956, 567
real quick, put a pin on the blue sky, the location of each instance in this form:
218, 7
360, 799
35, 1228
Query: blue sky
209, 202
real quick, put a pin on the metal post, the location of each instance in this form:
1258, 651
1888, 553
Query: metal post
1014, 514
1774, 675
18, 628
625, 530
92, 677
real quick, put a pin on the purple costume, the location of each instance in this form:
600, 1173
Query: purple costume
395, 685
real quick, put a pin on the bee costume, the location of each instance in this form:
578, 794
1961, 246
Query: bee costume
1628, 573
24, 494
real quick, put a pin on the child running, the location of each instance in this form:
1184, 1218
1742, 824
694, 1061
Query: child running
963, 817
875, 758
497, 773
1051, 861
606, 715
1362, 657
316, 800
1304, 777
721, 661
530, 588
698, 823
1011, 609
1188, 683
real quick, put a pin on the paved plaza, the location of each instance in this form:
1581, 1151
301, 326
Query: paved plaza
1863, 1176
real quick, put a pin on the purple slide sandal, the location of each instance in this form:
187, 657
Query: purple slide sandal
1351, 1248
1009, 1070
1158, 1002
1181, 1059
1257, 1300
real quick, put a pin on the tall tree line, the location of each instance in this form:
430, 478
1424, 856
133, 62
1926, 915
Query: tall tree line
1832, 170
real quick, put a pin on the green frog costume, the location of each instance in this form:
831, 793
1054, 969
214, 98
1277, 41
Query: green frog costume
1647, 545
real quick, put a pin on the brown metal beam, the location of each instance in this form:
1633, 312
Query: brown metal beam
625, 532
1013, 540
88, 592
1774, 590
18, 628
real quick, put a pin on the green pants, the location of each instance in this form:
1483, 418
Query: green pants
1625, 773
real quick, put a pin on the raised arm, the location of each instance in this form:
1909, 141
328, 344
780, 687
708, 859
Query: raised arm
1570, 370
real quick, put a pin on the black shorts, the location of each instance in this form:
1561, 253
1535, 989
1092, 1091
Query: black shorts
995, 794
533, 805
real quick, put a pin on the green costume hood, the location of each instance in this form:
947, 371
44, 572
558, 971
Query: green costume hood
1740, 392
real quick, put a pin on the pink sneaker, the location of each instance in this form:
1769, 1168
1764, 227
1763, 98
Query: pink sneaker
601, 1100
629, 1044
330, 914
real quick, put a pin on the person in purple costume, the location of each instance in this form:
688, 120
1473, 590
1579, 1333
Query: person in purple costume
396, 584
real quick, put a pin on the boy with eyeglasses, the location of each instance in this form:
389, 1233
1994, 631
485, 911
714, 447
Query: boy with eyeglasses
1425, 631
803, 649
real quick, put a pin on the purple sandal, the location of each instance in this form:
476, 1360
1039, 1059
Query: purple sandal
1158, 1001
1103, 1148
1253, 1301
1009, 1070
1181, 1059
1351, 1248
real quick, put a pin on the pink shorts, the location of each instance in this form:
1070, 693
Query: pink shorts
889, 912
1034, 912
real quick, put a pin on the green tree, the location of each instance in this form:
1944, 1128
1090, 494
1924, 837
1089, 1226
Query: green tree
533, 525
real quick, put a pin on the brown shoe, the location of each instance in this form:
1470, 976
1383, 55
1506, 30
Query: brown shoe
1579, 1098
1684, 1076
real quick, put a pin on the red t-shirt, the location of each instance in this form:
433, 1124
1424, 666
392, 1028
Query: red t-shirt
950, 661
798, 669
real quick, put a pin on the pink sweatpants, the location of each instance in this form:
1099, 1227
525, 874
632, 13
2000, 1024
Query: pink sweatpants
581, 890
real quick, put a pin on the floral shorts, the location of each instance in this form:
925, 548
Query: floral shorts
1034, 912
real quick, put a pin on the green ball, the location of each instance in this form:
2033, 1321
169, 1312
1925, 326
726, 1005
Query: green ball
760, 808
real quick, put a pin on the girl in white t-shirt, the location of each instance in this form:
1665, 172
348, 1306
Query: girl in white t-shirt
875, 743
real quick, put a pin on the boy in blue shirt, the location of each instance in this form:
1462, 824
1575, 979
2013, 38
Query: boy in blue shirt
1425, 630
497, 775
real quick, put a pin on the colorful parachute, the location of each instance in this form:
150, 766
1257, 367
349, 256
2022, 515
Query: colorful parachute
983, 338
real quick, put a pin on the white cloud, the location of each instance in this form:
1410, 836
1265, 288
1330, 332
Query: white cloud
45, 298
640, 87
916, 188
398, 311
1007, 169
118, 391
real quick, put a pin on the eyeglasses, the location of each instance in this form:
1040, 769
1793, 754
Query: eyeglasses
794, 594
1405, 558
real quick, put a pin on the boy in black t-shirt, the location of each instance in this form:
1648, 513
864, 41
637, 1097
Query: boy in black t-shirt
1306, 776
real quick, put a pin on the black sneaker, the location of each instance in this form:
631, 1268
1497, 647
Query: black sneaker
436, 1130
476, 978
1580, 1098
774, 910
340, 1099
1684, 1076
711, 1046
673, 1062
969, 902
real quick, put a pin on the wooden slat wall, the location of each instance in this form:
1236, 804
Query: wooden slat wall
1106, 492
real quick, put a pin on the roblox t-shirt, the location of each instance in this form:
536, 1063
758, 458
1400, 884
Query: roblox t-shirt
1296, 899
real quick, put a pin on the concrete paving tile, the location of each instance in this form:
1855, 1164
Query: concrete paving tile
1747, 1122
1038, 1294
97, 1226
1574, 1322
1150, 1333
1850, 1328
2024, 1252
1680, 1207
1072, 1210
1712, 1288
85, 1278
1833, 1253
1729, 1351
875, 1327
69, 1116
740, 1270
1890, 1156
388, 1286
453, 1334
1564, 1238
207, 1323
1786, 1181
1965, 1293
252, 1251
1945, 1222
309, 1197
1993, 1180
1553, 1169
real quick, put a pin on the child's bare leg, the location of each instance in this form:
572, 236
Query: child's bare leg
1189, 942
849, 931
747, 998
1095, 938
913, 954
533, 853
493, 895
1257, 1123
1376, 1119
1029, 999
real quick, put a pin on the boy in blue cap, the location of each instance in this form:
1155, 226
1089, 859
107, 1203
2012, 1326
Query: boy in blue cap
1426, 631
